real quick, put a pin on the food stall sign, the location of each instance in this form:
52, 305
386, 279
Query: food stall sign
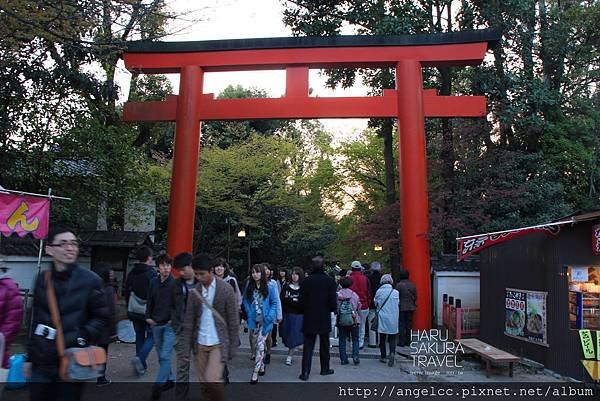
596, 239
526, 315
587, 344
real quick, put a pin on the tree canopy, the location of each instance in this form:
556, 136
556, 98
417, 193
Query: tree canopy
534, 158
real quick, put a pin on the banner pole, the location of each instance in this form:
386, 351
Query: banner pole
10, 191
39, 268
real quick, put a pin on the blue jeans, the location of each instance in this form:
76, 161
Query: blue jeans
143, 340
344, 333
164, 338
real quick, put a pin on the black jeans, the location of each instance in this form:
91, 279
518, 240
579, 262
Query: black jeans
391, 340
49, 387
404, 327
309, 347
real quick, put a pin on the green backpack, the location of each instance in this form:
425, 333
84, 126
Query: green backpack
345, 317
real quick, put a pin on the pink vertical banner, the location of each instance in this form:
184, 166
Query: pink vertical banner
24, 215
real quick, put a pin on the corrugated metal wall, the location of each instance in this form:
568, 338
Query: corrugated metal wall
536, 262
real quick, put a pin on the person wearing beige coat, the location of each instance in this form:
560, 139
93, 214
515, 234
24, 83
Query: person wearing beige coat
211, 325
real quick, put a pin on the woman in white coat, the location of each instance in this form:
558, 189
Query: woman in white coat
387, 301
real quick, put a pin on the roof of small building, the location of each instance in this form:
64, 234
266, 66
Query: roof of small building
447, 262
116, 239
582, 215
14, 245
29, 246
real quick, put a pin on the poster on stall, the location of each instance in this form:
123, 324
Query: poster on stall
526, 315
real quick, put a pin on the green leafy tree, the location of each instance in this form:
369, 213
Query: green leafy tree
226, 133
252, 185
59, 99
541, 82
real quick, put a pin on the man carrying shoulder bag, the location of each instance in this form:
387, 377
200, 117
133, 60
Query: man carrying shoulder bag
69, 313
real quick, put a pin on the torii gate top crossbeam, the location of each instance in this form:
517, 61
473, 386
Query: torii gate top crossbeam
445, 49
296, 56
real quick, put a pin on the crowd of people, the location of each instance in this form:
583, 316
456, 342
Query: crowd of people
198, 316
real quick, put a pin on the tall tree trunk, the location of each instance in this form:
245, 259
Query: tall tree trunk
448, 157
386, 130
527, 35
501, 99
553, 45
447, 154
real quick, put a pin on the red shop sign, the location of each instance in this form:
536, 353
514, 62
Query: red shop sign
596, 239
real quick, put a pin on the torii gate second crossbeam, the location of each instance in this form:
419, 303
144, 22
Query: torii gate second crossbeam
409, 103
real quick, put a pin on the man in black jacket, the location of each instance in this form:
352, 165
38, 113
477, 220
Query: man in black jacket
158, 317
84, 315
137, 285
317, 300
181, 290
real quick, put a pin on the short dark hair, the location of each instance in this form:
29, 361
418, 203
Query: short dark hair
103, 270
318, 262
343, 272
164, 259
182, 260
143, 253
403, 274
346, 282
203, 262
58, 229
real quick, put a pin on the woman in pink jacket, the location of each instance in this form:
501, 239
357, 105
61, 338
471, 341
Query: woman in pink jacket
11, 310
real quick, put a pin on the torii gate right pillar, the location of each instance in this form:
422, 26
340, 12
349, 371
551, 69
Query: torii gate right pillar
414, 202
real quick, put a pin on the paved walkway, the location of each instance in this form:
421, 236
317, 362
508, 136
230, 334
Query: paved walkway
369, 370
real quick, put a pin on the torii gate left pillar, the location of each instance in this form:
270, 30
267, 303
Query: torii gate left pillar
182, 205
409, 103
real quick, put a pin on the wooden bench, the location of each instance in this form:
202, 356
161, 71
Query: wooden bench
489, 354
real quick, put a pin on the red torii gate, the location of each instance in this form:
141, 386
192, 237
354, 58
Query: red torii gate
409, 102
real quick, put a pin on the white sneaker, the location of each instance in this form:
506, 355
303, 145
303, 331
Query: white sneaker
288, 361
137, 365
